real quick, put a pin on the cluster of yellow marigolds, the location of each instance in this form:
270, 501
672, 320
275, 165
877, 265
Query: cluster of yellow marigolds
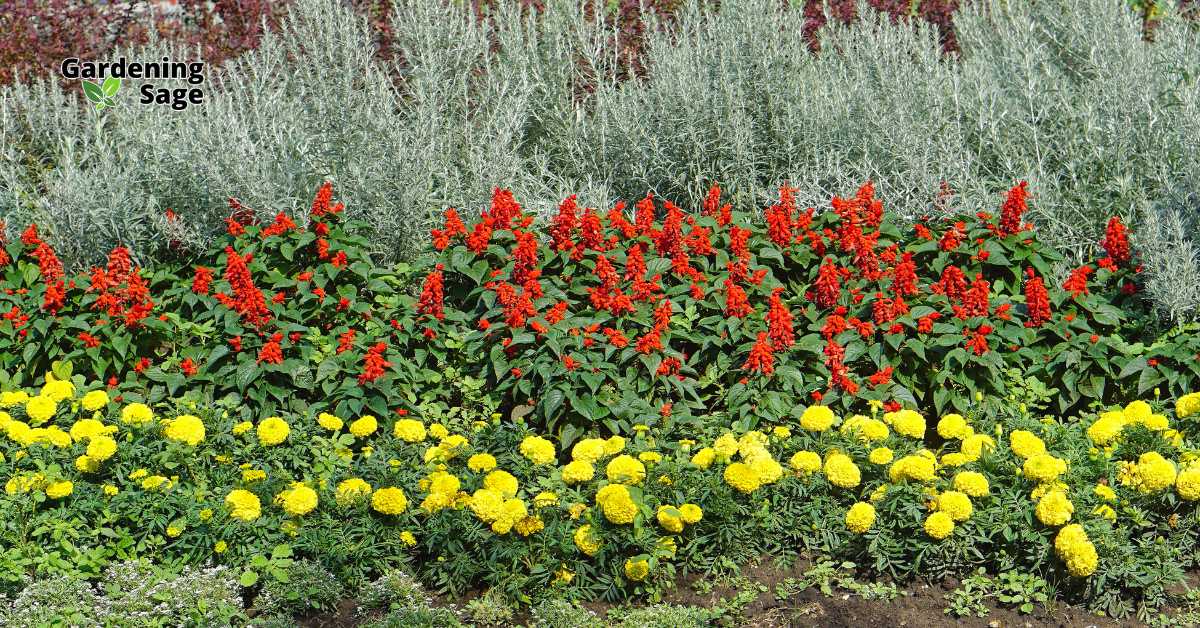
744, 462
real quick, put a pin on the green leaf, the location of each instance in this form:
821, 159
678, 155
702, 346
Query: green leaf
110, 86
248, 579
1135, 365
93, 92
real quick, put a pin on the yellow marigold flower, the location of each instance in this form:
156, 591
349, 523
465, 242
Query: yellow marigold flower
297, 501
817, 418
670, 518
351, 490
58, 390
956, 504
538, 450
411, 430
445, 483
206, 514
650, 457
40, 409
908, 423
101, 448
1044, 467
704, 458
741, 476
253, 475
242, 428
625, 469
137, 414
952, 427
1076, 550
502, 482
805, 462
84, 429
1186, 406
781, 432
220, 547
578, 471
1187, 484
726, 446
272, 431
408, 539
866, 429
481, 463
860, 517
974, 446
636, 570
174, 531
59, 490
110, 490
1154, 473
576, 510
85, 464
972, 483
243, 505
589, 450
954, 459
1106, 511
9, 399
138, 474
616, 503
1026, 444
389, 501
614, 445
185, 429
1137, 411
1105, 492
914, 467
939, 525
765, 467
842, 471
157, 482
690, 513
364, 426
1054, 508
94, 400
1106, 428
545, 499
880, 455
19, 432
529, 525
438, 431
587, 542
329, 422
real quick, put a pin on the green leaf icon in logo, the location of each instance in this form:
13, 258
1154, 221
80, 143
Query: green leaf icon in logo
102, 96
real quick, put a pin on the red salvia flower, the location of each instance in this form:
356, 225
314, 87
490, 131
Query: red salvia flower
345, 341
271, 351
88, 340
282, 225
904, 281
188, 367
564, 225
1077, 282
881, 377
739, 240
374, 364
453, 227
736, 304
829, 284
779, 322
247, 300
1037, 301
616, 338
1116, 241
762, 358
953, 237
202, 280
976, 299
953, 283
1014, 206
977, 341
780, 217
